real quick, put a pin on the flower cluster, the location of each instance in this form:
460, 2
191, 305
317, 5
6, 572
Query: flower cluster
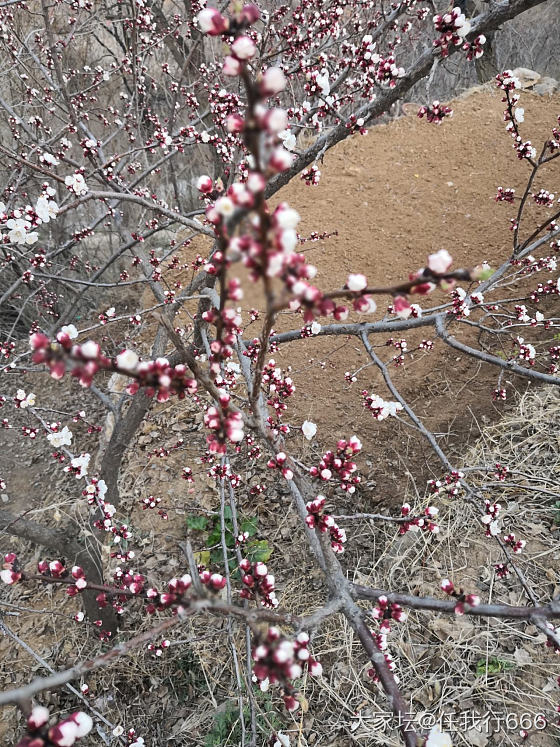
506, 194
340, 464
490, 518
472, 600
280, 461
312, 175
277, 660
388, 72
515, 544
426, 522
527, 351
452, 28
64, 733
225, 424
317, 519
474, 49
280, 387
24, 400
258, 583
87, 360
385, 612
449, 485
10, 573
379, 408
544, 198
435, 112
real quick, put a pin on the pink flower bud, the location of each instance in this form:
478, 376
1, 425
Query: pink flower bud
244, 48
250, 13
280, 160
83, 723
447, 586
9, 577
64, 734
402, 307
440, 262
235, 123
37, 718
204, 184
315, 668
232, 66
212, 22
272, 82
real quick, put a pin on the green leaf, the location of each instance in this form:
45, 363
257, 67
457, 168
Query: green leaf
258, 551
197, 522
492, 666
250, 526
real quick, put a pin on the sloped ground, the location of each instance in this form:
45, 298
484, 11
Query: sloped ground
403, 191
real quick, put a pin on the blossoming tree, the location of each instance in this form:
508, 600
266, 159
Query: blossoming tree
121, 125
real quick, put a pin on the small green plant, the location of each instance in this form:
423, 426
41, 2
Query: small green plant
492, 666
254, 549
226, 728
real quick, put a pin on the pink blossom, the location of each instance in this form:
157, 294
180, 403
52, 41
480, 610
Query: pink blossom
244, 48
212, 22
232, 66
273, 81
440, 262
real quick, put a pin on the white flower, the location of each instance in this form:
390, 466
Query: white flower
225, 206
25, 400
90, 349
323, 82
77, 183
45, 208
110, 312
282, 740
520, 114
356, 282
70, 330
127, 360
287, 217
50, 159
288, 240
315, 328
309, 429
438, 738
18, 230
81, 463
7, 577
60, 438
288, 139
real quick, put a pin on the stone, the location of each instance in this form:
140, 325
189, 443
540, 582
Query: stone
526, 77
546, 86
